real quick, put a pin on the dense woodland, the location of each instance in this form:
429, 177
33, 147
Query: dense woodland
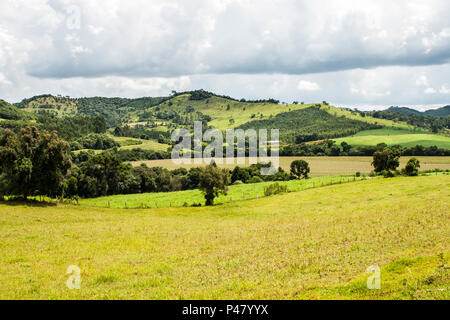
309, 124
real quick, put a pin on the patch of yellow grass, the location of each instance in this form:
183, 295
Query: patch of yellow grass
312, 244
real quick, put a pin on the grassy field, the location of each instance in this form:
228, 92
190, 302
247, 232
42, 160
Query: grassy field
189, 197
320, 166
127, 143
314, 244
405, 138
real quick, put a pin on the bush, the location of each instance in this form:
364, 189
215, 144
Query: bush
387, 173
275, 188
412, 167
358, 174
255, 179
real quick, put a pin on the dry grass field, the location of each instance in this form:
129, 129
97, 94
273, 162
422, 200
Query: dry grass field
321, 166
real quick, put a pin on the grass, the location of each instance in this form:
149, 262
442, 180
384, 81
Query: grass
404, 138
314, 244
320, 166
189, 197
221, 110
127, 143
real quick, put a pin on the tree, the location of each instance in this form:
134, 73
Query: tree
31, 162
345, 146
386, 160
102, 175
412, 167
213, 182
300, 169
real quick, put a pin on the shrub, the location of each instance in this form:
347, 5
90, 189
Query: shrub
412, 167
274, 188
255, 179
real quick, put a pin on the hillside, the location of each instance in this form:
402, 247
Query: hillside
309, 124
154, 118
440, 112
10, 112
404, 138
114, 110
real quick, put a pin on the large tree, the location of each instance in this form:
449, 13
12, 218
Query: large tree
386, 160
300, 169
33, 163
213, 181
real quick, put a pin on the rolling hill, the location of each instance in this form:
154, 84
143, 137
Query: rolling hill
440, 112
155, 117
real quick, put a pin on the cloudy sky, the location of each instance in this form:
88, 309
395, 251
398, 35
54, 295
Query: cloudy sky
351, 53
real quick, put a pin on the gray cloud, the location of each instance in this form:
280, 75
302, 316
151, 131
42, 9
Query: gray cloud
356, 52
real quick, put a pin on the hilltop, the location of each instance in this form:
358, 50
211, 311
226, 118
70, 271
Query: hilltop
440, 112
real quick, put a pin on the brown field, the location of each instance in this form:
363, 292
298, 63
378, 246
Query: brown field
321, 166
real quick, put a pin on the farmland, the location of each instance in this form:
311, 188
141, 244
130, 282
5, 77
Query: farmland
312, 244
320, 166
404, 138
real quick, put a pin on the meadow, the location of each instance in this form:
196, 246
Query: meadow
320, 166
390, 136
194, 197
314, 244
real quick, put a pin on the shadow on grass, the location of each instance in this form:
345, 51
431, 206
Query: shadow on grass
28, 202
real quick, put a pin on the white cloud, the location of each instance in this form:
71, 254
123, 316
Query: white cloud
430, 91
247, 48
444, 89
305, 85
422, 80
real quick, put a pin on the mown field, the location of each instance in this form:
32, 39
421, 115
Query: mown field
313, 244
404, 138
320, 166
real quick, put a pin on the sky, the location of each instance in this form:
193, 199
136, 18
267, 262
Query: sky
365, 54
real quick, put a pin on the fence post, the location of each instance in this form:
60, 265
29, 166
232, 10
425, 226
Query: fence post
126, 207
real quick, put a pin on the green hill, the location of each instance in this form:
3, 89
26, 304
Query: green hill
10, 112
310, 124
404, 138
155, 117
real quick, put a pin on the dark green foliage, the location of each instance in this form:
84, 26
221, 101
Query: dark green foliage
70, 128
101, 175
213, 182
141, 132
10, 112
412, 167
427, 120
94, 141
386, 160
328, 148
275, 188
309, 124
253, 173
200, 95
32, 162
300, 169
